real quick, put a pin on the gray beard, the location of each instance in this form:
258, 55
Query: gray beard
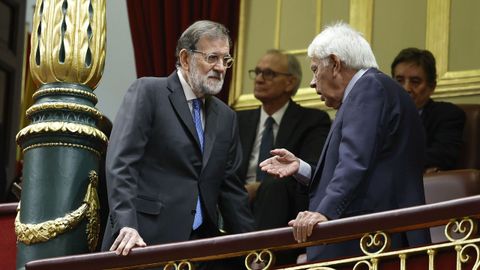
201, 84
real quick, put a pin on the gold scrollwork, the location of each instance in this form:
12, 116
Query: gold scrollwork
69, 91
363, 263
379, 241
54, 127
460, 230
41, 232
264, 259
183, 265
65, 106
463, 257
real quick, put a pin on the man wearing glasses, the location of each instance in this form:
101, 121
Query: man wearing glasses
278, 123
174, 151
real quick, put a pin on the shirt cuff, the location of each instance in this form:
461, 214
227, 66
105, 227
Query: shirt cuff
304, 173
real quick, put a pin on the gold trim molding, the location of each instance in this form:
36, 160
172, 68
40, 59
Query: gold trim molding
61, 144
61, 127
449, 83
68, 91
361, 17
64, 106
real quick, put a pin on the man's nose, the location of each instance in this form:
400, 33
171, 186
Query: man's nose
259, 78
408, 86
219, 66
313, 83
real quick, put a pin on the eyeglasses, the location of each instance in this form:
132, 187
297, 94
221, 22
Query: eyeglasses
267, 73
213, 58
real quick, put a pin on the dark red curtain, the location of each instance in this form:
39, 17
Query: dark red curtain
156, 26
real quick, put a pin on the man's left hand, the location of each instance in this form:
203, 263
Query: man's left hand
304, 223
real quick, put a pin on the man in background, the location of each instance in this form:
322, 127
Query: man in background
444, 122
370, 160
278, 123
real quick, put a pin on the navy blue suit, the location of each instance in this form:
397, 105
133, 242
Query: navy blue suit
372, 160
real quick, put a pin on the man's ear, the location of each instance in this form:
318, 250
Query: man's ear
433, 86
291, 83
184, 59
336, 64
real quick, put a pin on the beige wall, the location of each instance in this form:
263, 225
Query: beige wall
449, 28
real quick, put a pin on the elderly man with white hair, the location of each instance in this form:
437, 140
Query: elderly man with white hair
372, 159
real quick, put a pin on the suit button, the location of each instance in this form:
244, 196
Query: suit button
193, 212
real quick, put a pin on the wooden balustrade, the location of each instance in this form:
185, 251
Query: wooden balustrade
272, 240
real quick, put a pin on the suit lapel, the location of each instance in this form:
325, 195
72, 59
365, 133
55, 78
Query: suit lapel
249, 127
179, 104
321, 160
292, 117
211, 119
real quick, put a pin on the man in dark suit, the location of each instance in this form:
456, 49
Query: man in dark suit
369, 162
444, 122
301, 130
174, 151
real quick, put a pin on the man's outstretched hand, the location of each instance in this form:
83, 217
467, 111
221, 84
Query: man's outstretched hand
282, 164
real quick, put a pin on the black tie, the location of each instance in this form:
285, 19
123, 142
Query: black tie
265, 146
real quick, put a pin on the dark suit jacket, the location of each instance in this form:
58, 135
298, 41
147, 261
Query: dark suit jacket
302, 131
155, 168
444, 123
371, 161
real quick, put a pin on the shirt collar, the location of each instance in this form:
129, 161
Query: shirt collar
277, 116
352, 82
186, 87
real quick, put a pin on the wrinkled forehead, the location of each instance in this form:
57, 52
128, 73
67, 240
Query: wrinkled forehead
213, 44
273, 61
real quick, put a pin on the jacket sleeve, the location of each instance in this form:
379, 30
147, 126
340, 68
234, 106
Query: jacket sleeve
126, 147
445, 141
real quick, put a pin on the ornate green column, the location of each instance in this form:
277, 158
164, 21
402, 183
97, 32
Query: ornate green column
58, 213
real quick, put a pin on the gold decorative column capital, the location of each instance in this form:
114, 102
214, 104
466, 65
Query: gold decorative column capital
68, 42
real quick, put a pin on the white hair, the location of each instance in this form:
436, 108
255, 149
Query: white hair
346, 43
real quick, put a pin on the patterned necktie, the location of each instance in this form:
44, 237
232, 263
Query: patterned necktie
265, 146
197, 120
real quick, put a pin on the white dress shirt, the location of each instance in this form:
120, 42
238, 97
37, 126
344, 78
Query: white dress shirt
253, 161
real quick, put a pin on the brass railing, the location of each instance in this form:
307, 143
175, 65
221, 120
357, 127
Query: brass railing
456, 213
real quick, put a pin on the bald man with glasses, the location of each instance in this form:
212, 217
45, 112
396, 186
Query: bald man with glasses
286, 124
